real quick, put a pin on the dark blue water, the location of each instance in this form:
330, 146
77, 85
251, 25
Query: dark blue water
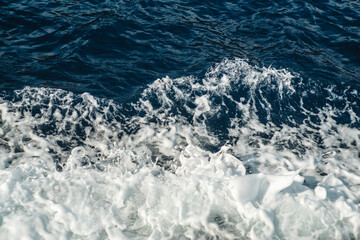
112, 49
179, 119
115, 49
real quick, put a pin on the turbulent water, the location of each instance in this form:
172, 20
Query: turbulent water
180, 120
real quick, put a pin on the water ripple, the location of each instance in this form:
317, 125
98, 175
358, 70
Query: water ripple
113, 49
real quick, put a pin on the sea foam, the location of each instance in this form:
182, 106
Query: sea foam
243, 153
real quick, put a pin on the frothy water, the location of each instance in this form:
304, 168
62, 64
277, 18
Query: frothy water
243, 153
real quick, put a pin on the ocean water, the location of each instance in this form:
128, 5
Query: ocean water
179, 120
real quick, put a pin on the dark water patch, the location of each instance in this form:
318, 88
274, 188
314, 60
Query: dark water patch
113, 49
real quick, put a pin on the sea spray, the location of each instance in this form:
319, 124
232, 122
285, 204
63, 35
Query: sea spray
242, 153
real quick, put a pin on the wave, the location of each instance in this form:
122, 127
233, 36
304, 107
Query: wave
244, 152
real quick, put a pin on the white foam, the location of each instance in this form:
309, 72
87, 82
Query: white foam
320, 192
163, 172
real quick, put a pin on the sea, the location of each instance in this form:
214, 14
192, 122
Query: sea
153, 119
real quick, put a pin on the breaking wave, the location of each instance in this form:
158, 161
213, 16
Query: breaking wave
244, 152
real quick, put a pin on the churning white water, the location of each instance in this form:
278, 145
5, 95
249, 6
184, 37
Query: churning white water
239, 154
